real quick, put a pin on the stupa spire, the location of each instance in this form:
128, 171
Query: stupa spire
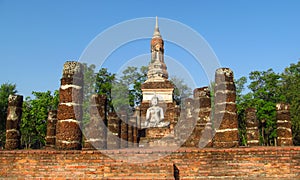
157, 83
156, 33
157, 69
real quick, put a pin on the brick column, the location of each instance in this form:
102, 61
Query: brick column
203, 101
137, 127
124, 131
252, 132
130, 133
189, 125
69, 114
113, 133
95, 131
14, 114
284, 126
138, 117
176, 115
51, 129
225, 115
134, 122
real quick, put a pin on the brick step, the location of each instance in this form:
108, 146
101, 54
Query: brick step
139, 171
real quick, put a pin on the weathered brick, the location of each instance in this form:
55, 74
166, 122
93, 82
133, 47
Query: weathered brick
14, 113
69, 114
225, 112
184, 163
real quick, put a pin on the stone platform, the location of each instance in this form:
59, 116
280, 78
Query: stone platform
158, 136
157, 132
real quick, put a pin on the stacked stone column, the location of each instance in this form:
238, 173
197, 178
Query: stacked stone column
130, 131
124, 131
225, 120
203, 101
69, 115
252, 132
51, 129
136, 127
171, 111
114, 131
14, 114
135, 137
189, 131
284, 126
95, 131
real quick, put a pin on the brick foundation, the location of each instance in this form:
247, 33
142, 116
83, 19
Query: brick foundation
184, 163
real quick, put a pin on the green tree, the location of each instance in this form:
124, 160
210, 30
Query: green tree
133, 78
5, 90
265, 87
137, 93
264, 94
290, 90
121, 98
103, 85
181, 89
34, 118
89, 78
240, 87
126, 90
242, 103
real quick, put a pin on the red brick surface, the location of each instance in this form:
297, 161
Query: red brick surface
157, 85
184, 163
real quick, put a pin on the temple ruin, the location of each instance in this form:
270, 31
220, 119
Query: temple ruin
204, 131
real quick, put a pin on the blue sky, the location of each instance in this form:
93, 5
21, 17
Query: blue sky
37, 37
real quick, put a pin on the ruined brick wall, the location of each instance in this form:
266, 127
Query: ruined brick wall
184, 163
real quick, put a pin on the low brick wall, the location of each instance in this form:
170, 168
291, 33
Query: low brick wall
184, 163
